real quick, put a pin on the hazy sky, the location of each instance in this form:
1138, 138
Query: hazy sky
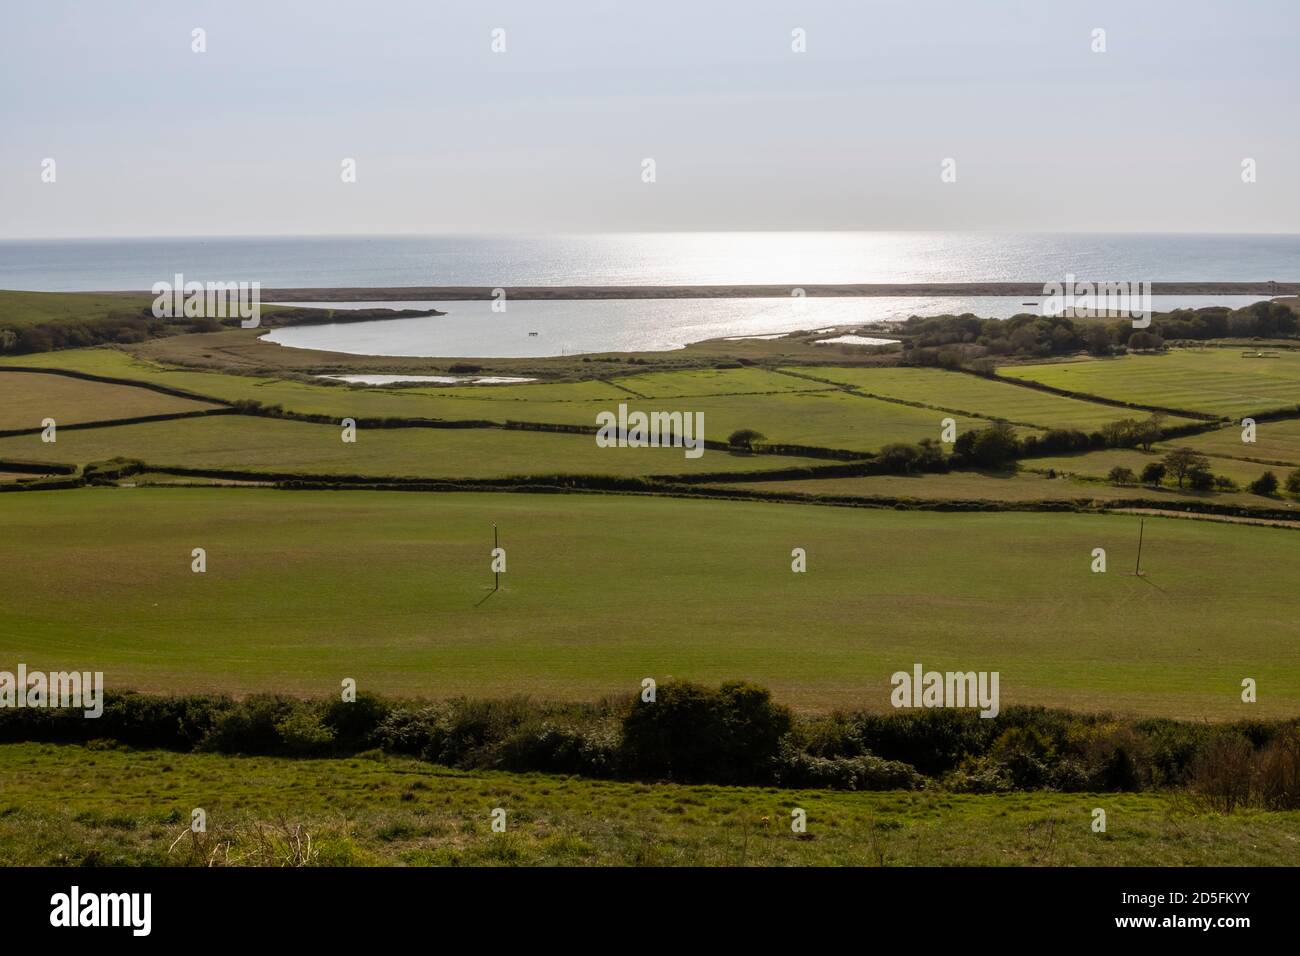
151, 138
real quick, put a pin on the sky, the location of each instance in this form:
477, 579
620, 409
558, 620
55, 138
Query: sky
249, 137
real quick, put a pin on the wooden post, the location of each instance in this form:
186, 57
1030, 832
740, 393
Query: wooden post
1141, 528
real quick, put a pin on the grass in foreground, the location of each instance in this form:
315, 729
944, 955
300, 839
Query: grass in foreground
70, 805
303, 589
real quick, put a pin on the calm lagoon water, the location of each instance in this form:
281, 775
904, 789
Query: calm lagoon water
473, 330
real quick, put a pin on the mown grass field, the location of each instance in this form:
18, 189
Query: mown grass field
1216, 381
277, 446
819, 416
70, 805
978, 395
1274, 441
1097, 464
1025, 486
303, 589
26, 399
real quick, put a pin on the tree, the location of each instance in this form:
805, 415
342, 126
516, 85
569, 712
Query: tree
1119, 475
1121, 433
744, 438
1153, 473
991, 447
1145, 341
1293, 482
899, 458
1181, 462
1201, 479
1147, 432
1098, 339
1265, 484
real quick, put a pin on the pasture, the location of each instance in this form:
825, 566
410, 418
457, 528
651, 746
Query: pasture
303, 589
1218, 381
786, 411
74, 806
278, 446
1276, 441
978, 395
1097, 464
26, 399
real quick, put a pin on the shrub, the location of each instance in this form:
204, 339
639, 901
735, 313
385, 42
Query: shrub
303, 731
744, 438
1119, 475
1277, 773
864, 772
1153, 473
354, 724
1221, 773
251, 726
1265, 484
692, 733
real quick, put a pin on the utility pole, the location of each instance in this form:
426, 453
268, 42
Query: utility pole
1141, 529
495, 547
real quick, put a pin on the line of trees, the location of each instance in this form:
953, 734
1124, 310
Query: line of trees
955, 341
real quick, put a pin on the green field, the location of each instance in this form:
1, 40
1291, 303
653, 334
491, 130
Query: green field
983, 396
248, 443
1274, 441
26, 399
1097, 464
304, 589
1216, 381
18, 309
69, 805
822, 417
1023, 487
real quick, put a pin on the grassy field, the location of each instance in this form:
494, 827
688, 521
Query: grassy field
18, 309
1013, 487
1274, 441
1217, 381
820, 416
26, 399
1097, 464
69, 805
247, 443
982, 396
303, 589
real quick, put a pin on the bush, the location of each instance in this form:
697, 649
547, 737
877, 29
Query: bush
1221, 773
744, 438
1265, 484
1153, 473
251, 726
1119, 475
864, 772
691, 733
354, 724
1277, 774
303, 731
1293, 482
